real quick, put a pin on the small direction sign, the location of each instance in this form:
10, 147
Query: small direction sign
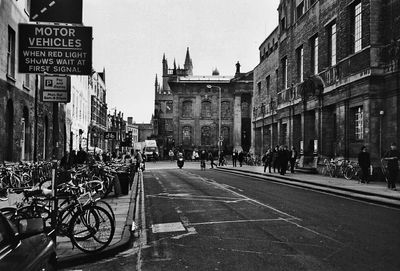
55, 88
55, 49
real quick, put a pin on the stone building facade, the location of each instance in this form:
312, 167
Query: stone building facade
338, 78
18, 110
187, 110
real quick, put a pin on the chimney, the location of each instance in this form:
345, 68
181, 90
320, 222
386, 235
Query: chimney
237, 67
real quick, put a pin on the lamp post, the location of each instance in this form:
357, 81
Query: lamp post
381, 113
262, 128
219, 118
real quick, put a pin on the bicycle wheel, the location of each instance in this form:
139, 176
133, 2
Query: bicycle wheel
107, 207
8, 212
349, 173
92, 229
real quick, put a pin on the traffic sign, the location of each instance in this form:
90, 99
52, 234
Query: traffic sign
55, 88
55, 49
61, 11
110, 135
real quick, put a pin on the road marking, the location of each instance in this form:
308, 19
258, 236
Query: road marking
238, 221
197, 198
168, 227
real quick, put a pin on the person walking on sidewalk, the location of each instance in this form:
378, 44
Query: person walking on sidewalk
392, 157
241, 158
267, 159
211, 158
293, 158
234, 157
171, 155
221, 159
275, 158
364, 161
283, 158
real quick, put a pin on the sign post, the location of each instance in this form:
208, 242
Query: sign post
55, 88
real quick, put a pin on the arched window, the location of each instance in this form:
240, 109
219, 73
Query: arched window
206, 109
187, 135
187, 109
245, 110
225, 133
205, 135
226, 110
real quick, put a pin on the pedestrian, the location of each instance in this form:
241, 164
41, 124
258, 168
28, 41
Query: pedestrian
241, 158
234, 157
211, 158
275, 162
81, 156
392, 157
283, 159
266, 159
203, 158
293, 158
221, 159
171, 155
155, 156
364, 162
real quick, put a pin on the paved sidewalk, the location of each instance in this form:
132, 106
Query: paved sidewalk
376, 192
123, 207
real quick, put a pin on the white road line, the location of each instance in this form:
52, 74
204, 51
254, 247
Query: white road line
238, 221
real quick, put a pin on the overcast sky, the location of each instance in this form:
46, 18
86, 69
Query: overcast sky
130, 37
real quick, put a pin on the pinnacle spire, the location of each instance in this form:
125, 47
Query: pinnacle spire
188, 66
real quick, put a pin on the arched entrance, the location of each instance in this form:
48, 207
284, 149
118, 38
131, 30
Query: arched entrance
9, 118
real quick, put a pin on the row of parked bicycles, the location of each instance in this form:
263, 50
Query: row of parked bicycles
350, 170
77, 210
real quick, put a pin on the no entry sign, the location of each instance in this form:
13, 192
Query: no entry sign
55, 49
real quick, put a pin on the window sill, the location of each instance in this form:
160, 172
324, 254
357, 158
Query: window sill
11, 78
27, 88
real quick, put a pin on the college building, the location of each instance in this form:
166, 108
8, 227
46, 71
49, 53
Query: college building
328, 80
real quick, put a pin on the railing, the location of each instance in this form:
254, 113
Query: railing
289, 94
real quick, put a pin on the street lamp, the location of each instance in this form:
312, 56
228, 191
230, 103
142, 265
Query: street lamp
219, 119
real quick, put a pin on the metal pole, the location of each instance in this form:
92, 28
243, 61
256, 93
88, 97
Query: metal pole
35, 137
219, 125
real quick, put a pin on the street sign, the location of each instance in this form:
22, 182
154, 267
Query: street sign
55, 88
55, 49
110, 135
61, 11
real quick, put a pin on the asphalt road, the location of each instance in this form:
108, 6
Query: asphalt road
237, 223
214, 220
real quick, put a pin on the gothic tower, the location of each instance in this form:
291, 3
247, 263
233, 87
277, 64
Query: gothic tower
188, 66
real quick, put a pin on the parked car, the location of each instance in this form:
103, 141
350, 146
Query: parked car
25, 246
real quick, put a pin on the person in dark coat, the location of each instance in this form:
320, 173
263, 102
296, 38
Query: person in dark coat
293, 158
392, 157
267, 159
283, 159
221, 160
364, 162
275, 158
81, 156
211, 158
241, 158
234, 157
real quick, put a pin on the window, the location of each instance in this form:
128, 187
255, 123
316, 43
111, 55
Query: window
11, 53
300, 10
169, 125
314, 54
259, 87
245, 110
268, 83
187, 135
283, 24
169, 107
187, 109
226, 110
27, 80
284, 73
332, 44
357, 26
358, 123
205, 135
206, 109
225, 135
299, 56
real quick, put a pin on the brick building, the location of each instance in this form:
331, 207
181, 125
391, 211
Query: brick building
338, 78
20, 139
187, 113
